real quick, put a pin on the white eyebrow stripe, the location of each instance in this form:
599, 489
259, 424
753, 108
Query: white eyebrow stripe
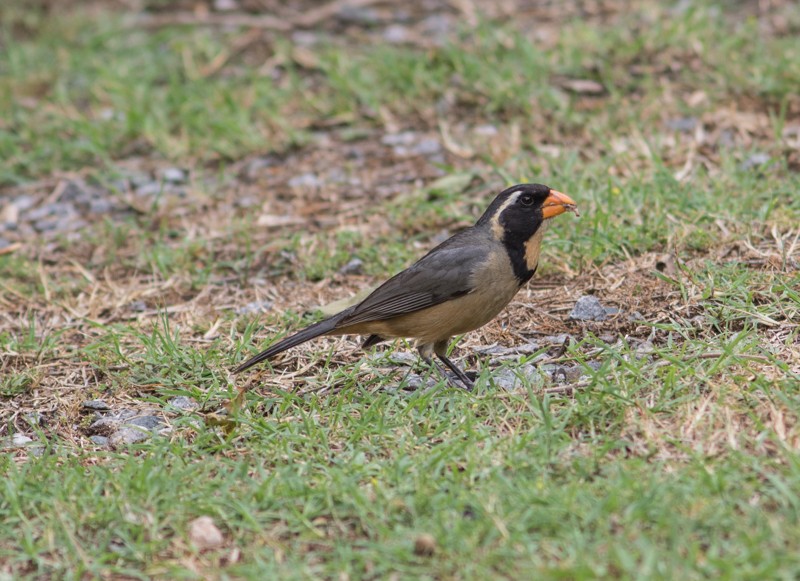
497, 227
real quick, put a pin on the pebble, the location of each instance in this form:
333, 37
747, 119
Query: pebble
24, 202
20, 439
255, 167
355, 266
357, 15
146, 422
105, 425
128, 435
755, 160
138, 178
409, 143
437, 27
306, 180
254, 307
486, 130
183, 403
96, 404
52, 209
59, 224
394, 359
174, 175
589, 308
225, 5
74, 192
402, 138
682, 124
100, 206
35, 419
149, 189
305, 38
204, 534
500, 351
4, 243
396, 34
101, 441
510, 378
415, 381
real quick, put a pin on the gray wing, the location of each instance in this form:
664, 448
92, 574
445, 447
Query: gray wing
442, 274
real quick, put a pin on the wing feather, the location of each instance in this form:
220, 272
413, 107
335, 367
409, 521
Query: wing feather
442, 274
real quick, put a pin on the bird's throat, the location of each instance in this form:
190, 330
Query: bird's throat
524, 254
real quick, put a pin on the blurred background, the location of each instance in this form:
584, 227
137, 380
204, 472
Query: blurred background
182, 181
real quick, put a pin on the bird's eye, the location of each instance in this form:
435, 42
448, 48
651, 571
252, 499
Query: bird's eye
526, 200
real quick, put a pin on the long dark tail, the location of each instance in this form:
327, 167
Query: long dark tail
306, 334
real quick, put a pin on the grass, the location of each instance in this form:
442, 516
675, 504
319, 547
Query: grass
659, 444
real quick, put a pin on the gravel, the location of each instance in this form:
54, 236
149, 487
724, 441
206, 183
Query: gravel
183, 403
354, 266
96, 405
589, 308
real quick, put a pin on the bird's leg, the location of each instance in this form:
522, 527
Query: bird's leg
440, 349
425, 352
468, 383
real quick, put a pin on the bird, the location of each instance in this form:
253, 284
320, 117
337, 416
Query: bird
457, 287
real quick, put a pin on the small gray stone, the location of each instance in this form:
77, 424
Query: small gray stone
682, 124
100, 206
46, 225
414, 381
149, 189
225, 5
508, 378
107, 424
636, 316
403, 138
174, 175
146, 422
438, 27
357, 15
486, 130
183, 402
4, 243
355, 266
306, 180
24, 202
499, 351
396, 34
20, 440
254, 307
54, 209
101, 441
255, 167
128, 435
138, 178
35, 419
394, 359
427, 146
74, 192
305, 37
755, 160
563, 374
588, 308
96, 404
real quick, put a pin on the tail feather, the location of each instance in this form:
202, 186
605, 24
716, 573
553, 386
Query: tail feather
306, 334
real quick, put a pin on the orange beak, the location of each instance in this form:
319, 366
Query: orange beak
557, 203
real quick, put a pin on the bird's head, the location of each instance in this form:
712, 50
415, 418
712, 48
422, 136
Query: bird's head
517, 217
